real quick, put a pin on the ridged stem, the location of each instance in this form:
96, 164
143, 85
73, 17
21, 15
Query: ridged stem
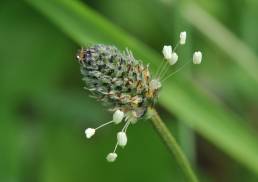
172, 145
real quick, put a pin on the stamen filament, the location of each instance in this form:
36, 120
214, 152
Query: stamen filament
104, 125
125, 126
160, 66
163, 67
177, 44
115, 147
175, 71
164, 72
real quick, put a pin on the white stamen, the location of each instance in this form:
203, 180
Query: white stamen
155, 84
132, 120
182, 38
89, 132
118, 116
173, 59
197, 57
121, 138
111, 157
167, 52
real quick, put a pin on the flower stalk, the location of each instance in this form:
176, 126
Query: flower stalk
172, 145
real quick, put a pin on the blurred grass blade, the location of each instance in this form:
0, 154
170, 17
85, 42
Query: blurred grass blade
85, 27
63, 102
223, 38
209, 118
213, 121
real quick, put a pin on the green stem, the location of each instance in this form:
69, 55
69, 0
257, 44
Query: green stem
172, 145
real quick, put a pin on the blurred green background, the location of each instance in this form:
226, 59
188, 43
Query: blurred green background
211, 108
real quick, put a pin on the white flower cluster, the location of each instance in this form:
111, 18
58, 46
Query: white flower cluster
169, 54
118, 117
171, 57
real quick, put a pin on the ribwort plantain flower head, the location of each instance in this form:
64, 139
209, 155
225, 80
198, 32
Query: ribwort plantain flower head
123, 83
117, 79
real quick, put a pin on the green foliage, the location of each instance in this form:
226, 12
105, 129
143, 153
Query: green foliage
209, 118
44, 109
